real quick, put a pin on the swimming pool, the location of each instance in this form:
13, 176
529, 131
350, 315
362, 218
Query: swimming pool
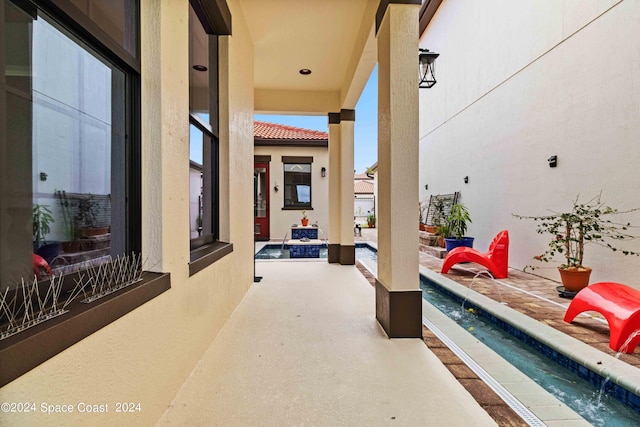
567, 380
278, 251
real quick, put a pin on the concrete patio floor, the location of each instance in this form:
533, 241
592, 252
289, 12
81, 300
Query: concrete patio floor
304, 348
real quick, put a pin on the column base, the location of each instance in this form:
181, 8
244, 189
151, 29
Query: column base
399, 312
333, 254
347, 255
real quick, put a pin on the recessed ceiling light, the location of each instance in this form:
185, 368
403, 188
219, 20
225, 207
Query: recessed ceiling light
200, 68
305, 71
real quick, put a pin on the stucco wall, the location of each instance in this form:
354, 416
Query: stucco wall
517, 83
146, 355
281, 220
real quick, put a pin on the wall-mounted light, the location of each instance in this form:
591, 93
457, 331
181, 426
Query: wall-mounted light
43, 176
323, 171
466, 179
199, 67
275, 187
426, 186
427, 68
553, 161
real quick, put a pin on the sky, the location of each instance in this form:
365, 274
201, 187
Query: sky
366, 126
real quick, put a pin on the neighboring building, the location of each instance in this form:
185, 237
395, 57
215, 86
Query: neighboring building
291, 175
546, 79
364, 202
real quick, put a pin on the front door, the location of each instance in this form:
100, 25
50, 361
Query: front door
261, 200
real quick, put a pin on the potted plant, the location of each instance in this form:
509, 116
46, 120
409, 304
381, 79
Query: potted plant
71, 244
437, 217
304, 220
371, 220
85, 218
421, 217
443, 230
571, 231
457, 222
42, 217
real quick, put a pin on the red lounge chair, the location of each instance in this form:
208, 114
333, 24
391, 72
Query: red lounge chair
496, 260
619, 304
40, 266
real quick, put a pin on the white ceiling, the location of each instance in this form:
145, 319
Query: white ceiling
329, 37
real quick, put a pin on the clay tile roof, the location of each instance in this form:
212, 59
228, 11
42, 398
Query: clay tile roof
363, 187
264, 130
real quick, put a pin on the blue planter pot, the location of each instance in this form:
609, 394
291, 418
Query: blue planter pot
451, 242
49, 250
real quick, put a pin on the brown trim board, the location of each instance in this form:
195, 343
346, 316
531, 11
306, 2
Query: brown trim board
384, 4
347, 255
258, 142
428, 9
399, 312
333, 255
297, 159
334, 118
261, 159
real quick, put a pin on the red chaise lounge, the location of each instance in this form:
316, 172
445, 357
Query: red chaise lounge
496, 260
619, 304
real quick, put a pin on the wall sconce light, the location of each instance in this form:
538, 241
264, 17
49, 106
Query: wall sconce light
275, 187
323, 172
426, 186
466, 179
427, 68
43, 176
553, 161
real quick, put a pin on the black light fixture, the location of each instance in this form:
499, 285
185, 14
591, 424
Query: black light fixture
553, 161
305, 71
466, 179
427, 68
198, 67
323, 171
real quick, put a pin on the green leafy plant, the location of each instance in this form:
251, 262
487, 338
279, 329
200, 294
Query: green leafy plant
444, 230
371, 219
586, 223
304, 214
87, 212
66, 206
438, 212
458, 219
42, 217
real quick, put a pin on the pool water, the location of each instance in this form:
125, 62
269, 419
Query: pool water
270, 251
565, 385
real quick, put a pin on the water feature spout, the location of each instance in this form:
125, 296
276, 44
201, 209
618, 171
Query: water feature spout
284, 240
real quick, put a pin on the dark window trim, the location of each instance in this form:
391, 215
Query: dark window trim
297, 208
297, 159
71, 17
214, 15
24, 351
262, 159
206, 255
428, 9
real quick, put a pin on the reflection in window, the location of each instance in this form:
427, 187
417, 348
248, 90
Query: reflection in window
65, 106
297, 185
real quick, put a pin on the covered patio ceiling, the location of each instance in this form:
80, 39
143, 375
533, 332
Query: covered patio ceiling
335, 39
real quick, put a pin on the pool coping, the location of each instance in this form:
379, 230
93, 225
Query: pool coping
603, 364
540, 402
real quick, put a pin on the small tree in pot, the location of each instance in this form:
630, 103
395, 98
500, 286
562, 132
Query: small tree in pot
571, 231
457, 222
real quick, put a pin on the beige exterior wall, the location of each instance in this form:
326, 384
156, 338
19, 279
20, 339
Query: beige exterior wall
281, 220
517, 83
146, 355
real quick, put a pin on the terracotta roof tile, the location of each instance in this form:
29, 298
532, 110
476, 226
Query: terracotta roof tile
363, 187
264, 130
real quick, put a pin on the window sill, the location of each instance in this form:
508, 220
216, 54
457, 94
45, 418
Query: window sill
297, 208
206, 255
24, 351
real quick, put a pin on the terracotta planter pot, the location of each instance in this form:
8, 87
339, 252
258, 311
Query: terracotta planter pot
430, 229
574, 280
71, 246
305, 222
441, 241
90, 232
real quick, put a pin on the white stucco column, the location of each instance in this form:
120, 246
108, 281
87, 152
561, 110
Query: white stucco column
334, 188
398, 298
347, 246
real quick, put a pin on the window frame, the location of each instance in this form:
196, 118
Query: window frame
24, 351
288, 160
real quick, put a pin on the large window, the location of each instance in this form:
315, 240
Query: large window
297, 184
64, 149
